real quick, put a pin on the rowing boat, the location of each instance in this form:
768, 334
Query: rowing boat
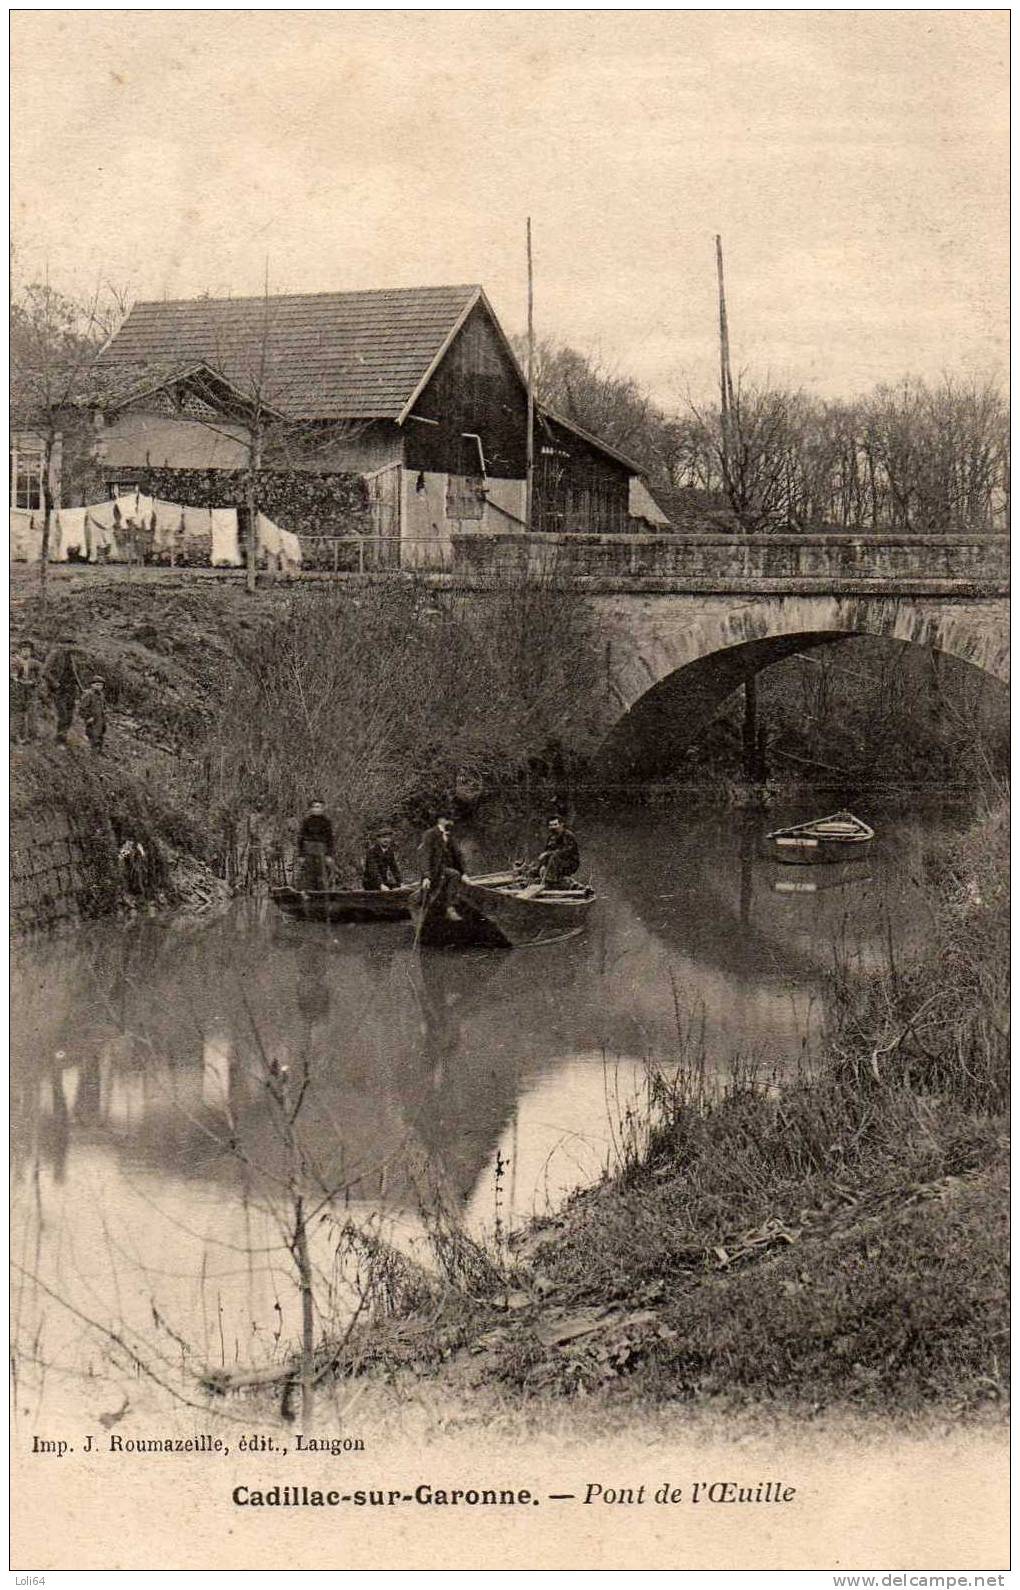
344, 905
825, 839
499, 911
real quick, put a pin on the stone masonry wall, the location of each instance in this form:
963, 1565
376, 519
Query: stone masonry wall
54, 878
703, 558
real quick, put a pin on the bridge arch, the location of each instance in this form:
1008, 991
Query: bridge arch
670, 663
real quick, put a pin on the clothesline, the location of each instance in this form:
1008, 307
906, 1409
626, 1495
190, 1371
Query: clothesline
100, 528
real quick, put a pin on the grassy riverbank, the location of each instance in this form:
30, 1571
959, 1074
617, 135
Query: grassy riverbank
838, 1243
383, 699
389, 700
164, 651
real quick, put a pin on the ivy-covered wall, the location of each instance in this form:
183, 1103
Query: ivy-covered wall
307, 504
317, 508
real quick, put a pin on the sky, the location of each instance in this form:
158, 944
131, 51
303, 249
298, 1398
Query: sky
855, 164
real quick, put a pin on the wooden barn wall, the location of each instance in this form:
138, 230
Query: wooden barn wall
475, 389
578, 487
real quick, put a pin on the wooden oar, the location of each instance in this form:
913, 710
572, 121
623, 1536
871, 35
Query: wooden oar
421, 917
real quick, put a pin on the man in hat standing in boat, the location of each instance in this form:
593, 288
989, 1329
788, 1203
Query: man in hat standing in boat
380, 869
315, 848
440, 854
561, 857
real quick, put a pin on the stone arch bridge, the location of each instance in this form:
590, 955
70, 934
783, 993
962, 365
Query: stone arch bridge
683, 621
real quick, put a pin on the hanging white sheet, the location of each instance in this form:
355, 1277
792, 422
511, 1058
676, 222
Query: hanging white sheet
226, 547
281, 545
73, 532
26, 535
93, 531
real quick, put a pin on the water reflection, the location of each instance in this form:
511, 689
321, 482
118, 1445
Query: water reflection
150, 1157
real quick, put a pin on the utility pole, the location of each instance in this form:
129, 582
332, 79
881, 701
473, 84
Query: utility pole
725, 375
529, 496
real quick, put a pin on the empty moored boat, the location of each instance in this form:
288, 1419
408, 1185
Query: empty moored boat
837, 837
501, 911
344, 905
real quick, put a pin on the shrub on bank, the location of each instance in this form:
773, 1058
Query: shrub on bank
382, 700
841, 1237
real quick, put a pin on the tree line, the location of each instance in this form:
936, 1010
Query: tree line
910, 456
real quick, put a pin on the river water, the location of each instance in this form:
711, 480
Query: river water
151, 1160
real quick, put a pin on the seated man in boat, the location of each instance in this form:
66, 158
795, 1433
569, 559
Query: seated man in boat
440, 855
380, 870
561, 857
316, 868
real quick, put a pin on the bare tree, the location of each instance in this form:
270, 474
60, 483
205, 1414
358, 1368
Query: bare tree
936, 456
757, 459
585, 389
254, 406
912, 456
56, 347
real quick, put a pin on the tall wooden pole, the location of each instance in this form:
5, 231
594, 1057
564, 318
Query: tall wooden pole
529, 497
725, 377
750, 734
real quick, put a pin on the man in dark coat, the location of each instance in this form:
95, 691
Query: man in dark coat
61, 676
315, 848
440, 854
380, 869
561, 857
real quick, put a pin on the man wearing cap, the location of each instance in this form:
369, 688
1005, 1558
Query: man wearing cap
380, 869
561, 857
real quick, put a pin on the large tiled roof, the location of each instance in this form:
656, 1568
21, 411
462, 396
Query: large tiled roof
337, 356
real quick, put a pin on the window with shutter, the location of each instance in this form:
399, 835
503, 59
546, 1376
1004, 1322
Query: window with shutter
26, 478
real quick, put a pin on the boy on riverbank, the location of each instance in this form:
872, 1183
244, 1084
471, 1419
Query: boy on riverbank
92, 707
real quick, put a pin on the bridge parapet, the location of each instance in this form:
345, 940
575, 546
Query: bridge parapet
727, 562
